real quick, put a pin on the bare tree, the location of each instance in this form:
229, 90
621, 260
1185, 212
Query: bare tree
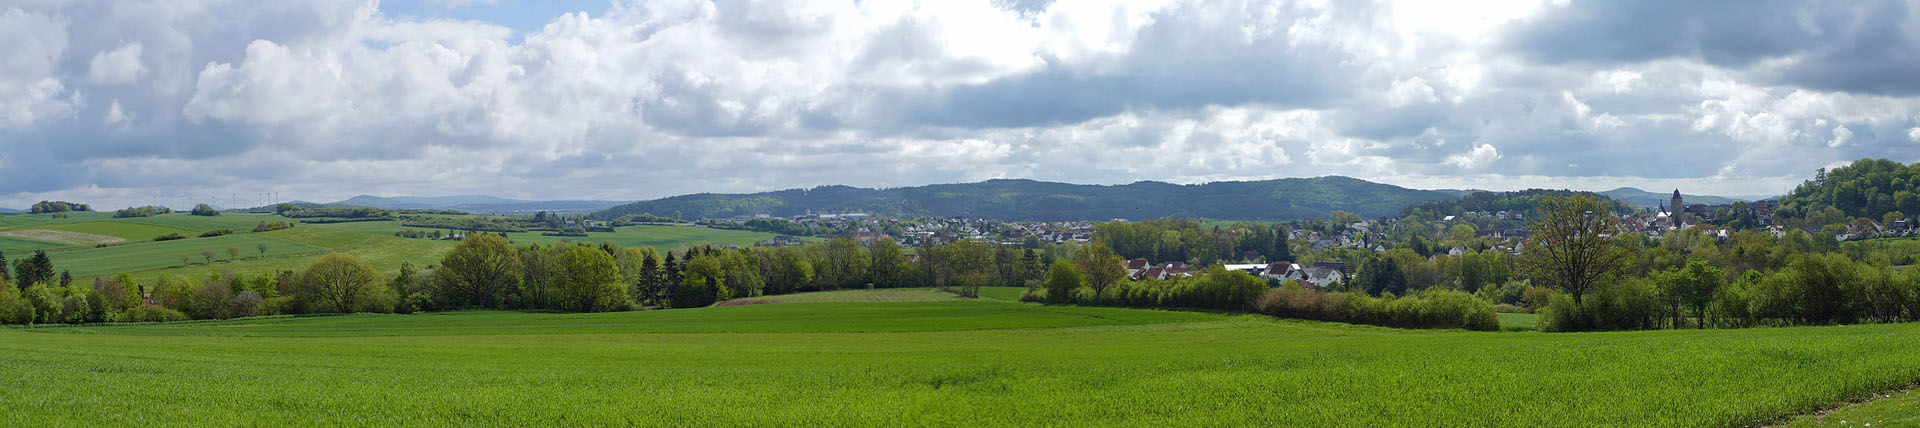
1571, 245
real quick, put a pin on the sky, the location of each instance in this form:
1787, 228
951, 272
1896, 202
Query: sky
130, 102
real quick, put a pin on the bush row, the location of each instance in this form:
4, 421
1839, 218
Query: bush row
1437, 307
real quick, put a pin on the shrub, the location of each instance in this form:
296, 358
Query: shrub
1437, 307
1630, 305
168, 237
1536, 297
247, 303
14, 307
216, 232
152, 314
46, 305
269, 227
1034, 294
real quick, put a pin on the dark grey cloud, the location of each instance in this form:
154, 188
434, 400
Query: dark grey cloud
1869, 47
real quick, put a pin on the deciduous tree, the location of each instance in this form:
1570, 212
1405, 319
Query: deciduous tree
480, 272
1570, 248
339, 283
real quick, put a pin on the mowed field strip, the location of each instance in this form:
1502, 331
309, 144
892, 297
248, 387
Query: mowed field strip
953, 363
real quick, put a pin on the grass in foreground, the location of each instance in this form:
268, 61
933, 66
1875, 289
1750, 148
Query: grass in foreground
965, 363
1901, 409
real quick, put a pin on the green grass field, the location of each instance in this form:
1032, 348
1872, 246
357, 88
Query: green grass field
1519, 321
156, 255
1011, 294
11, 245
956, 363
878, 295
384, 253
237, 222
121, 229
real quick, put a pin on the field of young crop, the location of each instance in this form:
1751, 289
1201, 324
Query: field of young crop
1897, 409
384, 253
12, 245
120, 229
965, 363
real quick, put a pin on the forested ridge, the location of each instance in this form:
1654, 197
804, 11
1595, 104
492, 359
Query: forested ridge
1280, 199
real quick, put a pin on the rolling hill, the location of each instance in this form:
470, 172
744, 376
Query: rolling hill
1280, 199
1648, 199
474, 204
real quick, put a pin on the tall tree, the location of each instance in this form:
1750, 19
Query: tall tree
1062, 279
37, 269
652, 281
1102, 267
889, 263
480, 272
1570, 248
588, 280
339, 283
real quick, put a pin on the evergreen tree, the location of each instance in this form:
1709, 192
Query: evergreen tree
671, 273
5, 276
66, 278
648, 290
1281, 251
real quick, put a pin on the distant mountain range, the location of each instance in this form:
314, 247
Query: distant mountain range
475, 204
10, 210
1648, 199
1281, 199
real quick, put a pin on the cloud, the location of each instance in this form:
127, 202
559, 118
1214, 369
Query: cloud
1840, 136
329, 98
1479, 157
119, 66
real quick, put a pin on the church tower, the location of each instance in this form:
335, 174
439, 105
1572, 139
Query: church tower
1679, 211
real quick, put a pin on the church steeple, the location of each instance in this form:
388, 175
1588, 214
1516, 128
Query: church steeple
1678, 211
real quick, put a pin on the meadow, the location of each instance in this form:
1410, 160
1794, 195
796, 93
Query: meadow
155, 255
967, 362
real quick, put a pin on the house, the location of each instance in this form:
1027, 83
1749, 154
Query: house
1135, 266
1337, 266
1457, 251
1250, 268
1324, 277
1283, 271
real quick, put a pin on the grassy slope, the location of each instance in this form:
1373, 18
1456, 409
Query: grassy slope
237, 222
120, 229
14, 246
384, 253
720, 366
164, 254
